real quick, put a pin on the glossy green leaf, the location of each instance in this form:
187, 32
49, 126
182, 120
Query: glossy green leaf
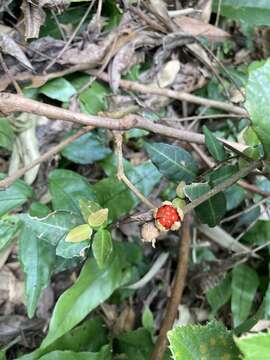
245, 282
214, 146
220, 294
102, 247
234, 196
81, 338
88, 149
172, 161
136, 344
67, 189
14, 196
255, 347
223, 173
98, 218
104, 354
59, 89
114, 195
91, 289
6, 134
79, 233
53, 227
93, 99
257, 103
37, 258
210, 211
197, 342
259, 233
252, 12
87, 207
69, 250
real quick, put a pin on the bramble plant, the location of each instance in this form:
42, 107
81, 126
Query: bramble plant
135, 180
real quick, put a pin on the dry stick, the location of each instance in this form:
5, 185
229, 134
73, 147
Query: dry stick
61, 52
121, 173
201, 117
10, 103
54, 150
178, 95
177, 291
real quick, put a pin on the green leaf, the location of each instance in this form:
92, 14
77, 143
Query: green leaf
220, 294
114, 195
102, 247
136, 345
104, 354
148, 320
67, 189
214, 146
197, 342
87, 207
37, 258
88, 149
223, 173
255, 347
172, 161
250, 11
234, 196
53, 227
59, 89
259, 233
6, 134
245, 282
79, 233
38, 209
98, 218
257, 103
93, 100
8, 228
81, 338
14, 196
91, 289
210, 211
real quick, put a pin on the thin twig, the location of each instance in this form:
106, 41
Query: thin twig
178, 95
61, 52
245, 211
58, 25
121, 172
54, 150
222, 186
201, 117
177, 291
9, 75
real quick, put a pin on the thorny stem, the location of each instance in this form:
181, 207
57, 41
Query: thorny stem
177, 291
121, 173
54, 150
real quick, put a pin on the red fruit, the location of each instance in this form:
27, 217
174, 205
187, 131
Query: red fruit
167, 216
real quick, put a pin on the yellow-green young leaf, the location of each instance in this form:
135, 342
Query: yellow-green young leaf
180, 190
102, 247
98, 218
87, 207
179, 203
79, 233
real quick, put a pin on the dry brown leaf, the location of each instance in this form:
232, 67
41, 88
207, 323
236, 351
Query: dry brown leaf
120, 63
168, 73
34, 17
10, 47
206, 8
197, 27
